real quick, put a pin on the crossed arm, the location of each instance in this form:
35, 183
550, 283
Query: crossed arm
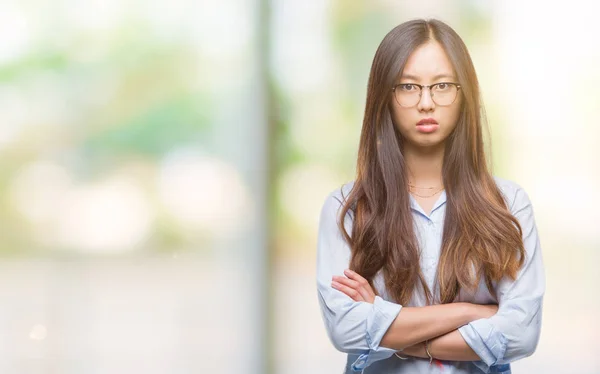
414, 325
373, 329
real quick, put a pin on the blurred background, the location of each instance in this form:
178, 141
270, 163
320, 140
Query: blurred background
163, 165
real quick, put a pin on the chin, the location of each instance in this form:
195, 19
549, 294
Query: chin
429, 142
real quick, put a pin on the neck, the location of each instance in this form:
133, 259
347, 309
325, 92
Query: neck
424, 165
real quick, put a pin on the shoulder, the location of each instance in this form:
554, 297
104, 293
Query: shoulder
514, 195
336, 199
341, 193
506, 186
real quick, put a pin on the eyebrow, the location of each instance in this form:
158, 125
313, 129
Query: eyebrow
439, 76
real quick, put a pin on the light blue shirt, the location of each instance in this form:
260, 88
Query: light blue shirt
357, 328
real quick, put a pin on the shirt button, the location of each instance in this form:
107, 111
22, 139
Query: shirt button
430, 223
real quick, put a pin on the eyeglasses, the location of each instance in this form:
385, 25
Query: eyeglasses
409, 94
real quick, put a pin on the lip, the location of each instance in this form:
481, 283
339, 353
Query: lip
427, 121
427, 125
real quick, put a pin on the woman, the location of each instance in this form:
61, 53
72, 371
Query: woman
446, 267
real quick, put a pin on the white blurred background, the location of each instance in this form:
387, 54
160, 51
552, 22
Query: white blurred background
163, 165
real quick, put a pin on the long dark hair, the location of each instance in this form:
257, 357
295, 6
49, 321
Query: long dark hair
479, 231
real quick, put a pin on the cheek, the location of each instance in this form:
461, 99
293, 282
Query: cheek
405, 119
452, 117
402, 118
456, 110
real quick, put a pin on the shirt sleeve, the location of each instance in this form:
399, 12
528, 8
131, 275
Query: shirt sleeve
513, 333
353, 327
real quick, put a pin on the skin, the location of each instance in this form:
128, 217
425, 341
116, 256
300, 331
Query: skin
423, 153
445, 346
428, 64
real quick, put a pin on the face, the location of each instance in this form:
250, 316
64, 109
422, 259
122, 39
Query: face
427, 65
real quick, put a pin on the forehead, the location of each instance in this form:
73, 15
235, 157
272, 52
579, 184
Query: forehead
427, 61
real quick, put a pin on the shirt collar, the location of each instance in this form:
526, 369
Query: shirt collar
439, 202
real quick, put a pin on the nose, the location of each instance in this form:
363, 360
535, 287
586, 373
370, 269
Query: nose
426, 103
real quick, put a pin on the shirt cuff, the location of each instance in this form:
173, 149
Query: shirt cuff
378, 322
485, 340
495, 369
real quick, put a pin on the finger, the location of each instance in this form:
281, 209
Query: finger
366, 293
355, 286
364, 284
355, 276
347, 282
351, 292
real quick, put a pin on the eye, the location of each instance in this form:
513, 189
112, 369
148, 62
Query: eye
407, 87
442, 86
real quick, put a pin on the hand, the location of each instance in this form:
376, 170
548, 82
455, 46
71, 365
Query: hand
354, 286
